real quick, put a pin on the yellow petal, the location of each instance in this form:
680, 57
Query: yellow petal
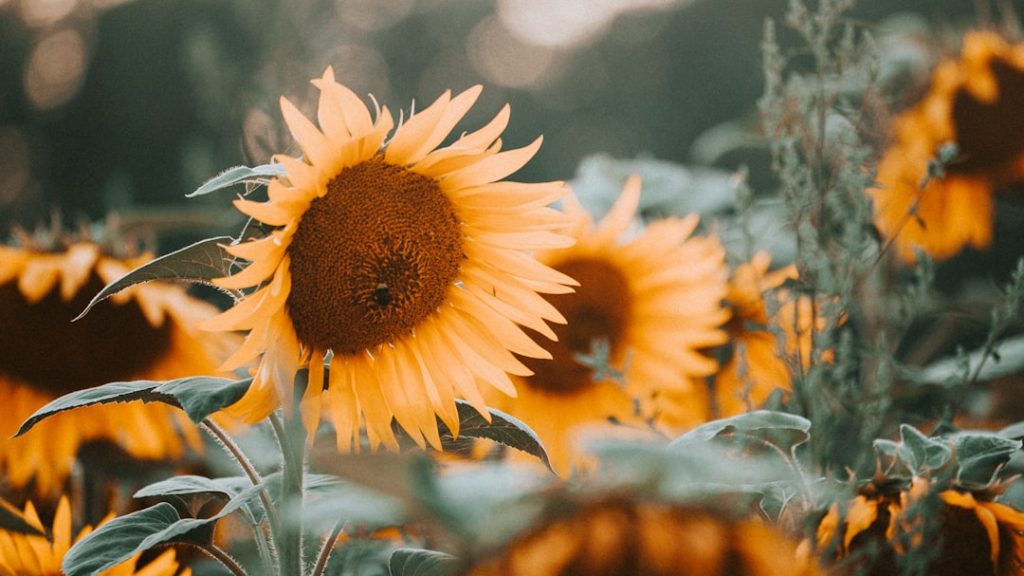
410, 136
492, 168
315, 146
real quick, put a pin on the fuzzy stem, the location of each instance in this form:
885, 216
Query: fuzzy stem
223, 557
229, 444
325, 551
291, 437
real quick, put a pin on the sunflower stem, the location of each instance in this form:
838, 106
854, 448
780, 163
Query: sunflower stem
229, 444
325, 550
218, 554
291, 437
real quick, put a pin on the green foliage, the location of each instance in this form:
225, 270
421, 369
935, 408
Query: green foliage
254, 176
971, 459
199, 396
413, 562
498, 426
131, 534
786, 431
199, 262
117, 540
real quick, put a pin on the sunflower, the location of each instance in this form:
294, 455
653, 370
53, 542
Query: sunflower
975, 102
30, 555
625, 537
402, 265
965, 534
757, 366
636, 324
145, 332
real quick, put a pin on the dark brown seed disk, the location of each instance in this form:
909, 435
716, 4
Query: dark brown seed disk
990, 135
598, 310
372, 258
41, 346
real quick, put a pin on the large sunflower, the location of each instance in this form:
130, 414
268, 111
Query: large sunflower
760, 362
146, 332
629, 537
631, 348
975, 102
30, 555
401, 264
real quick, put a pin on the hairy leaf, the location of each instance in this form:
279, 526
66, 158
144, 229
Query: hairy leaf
199, 396
779, 428
503, 428
199, 262
117, 540
981, 455
414, 562
920, 452
126, 536
189, 485
239, 175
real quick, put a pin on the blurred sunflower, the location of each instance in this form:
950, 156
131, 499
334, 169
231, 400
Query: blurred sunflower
636, 324
401, 264
30, 555
974, 102
623, 537
757, 366
146, 332
965, 534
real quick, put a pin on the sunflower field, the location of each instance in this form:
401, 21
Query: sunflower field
511, 288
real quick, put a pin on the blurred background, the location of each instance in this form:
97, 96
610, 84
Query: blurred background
127, 105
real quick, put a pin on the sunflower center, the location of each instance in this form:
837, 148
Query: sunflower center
597, 314
372, 258
990, 135
41, 346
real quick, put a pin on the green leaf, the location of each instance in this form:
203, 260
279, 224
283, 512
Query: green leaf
886, 447
117, 540
921, 453
105, 394
503, 428
11, 519
199, 396
1013, 431
238, 175
779, 428
981, 455
199, 262
189, 485
131, 534
415, 562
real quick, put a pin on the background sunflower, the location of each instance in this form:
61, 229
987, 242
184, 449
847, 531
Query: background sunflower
973, 102
630, 350
147, 332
